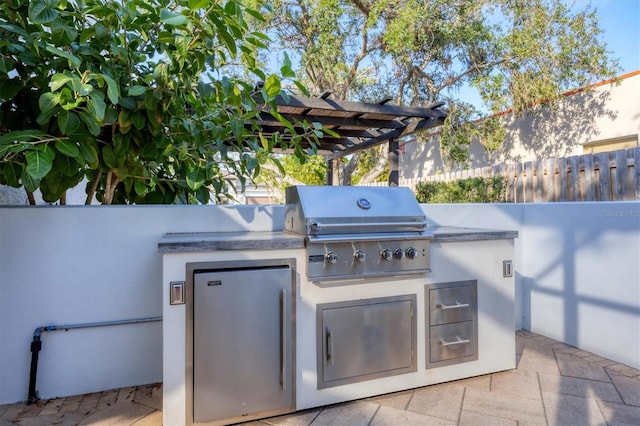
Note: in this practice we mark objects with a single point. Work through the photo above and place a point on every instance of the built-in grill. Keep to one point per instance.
(340, 306)
(358, 232)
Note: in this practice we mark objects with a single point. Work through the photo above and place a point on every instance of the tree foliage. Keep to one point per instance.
(516, 53)
(473, 190)
(133, 96)
(311, 170)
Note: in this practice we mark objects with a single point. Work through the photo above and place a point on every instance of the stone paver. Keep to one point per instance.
(438, 401)
(388, 416)
(399, 400)
(579, 387)
(539, 359)
(469, 418)
(617, 414)
(481, 382)
(353, 413)
(118, 414)
(567, 410)
(151, 396)
(301, 418)
(622, 370)
(554, 384)
(516, 382)
(575, 366)
(153, 419)
(629, 389)
(504, 406)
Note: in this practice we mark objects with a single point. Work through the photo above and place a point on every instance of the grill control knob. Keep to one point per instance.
(398, 253)
(386, 254)
(359, 255)
(331, 257)
(411, 253)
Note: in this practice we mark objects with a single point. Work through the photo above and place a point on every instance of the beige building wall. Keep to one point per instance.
(605, 117)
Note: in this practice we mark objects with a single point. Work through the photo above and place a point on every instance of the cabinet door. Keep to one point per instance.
(242, 354)
(365, 339)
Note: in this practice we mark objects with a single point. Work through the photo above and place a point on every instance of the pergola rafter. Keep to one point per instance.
(357, 125)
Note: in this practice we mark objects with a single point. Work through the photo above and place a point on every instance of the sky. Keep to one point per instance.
(620, 21)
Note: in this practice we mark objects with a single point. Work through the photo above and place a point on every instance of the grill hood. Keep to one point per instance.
(330, 210)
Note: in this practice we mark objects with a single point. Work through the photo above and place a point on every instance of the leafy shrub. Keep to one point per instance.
(472, 190)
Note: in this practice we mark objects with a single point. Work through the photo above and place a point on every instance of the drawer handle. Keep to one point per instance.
(458, 305)
(458, 341)
(329, 346)
(283, 338)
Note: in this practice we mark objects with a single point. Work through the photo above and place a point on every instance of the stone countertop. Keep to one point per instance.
(213, 241)
(443, 234)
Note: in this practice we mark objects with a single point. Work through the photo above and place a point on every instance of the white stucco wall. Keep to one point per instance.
(607, 111)
(71, 265)
(577, 269)
(577, 280)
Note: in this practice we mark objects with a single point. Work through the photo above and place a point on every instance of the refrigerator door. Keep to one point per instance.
(243, 350)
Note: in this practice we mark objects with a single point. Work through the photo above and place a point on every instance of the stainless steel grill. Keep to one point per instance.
(358, 232)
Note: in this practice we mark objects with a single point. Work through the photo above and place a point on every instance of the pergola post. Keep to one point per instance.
(394, 147)
(333, 167)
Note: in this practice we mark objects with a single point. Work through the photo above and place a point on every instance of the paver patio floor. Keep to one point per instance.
(554, 384)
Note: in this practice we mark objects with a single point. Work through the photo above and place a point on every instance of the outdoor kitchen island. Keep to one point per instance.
(277, 341)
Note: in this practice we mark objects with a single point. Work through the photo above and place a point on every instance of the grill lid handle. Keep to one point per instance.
(318, 226)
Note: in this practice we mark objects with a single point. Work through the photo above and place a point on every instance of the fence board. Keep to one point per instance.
(573, 179)
(538, 188)
(562, 183)
(604, 176)
(518, 188)
(620, 175)
(589, 178)
(550, 180)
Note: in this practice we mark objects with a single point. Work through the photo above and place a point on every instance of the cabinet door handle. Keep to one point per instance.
(458, 305)
(458, 341)
(329, 346)
(283, 337)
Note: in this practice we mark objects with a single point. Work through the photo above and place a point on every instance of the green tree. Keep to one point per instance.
(294, 170)
(516, 53)
(138, 97)
(473, 190)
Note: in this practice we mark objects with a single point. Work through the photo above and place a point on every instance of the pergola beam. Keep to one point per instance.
(355, 126)
(332, 121)
(430, 111)
(370, 143)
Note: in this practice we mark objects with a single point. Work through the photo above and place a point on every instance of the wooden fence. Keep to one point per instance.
(607, 176)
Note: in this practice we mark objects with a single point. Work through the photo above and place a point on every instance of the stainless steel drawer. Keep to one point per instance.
(453, 304)
(452, 341)
(451, 323)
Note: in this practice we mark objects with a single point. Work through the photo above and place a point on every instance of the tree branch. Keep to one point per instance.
(474, 69)
(94, 186)
(364, 51)
(286, 178)
(361, 7)
(348, 169)
(30, 197)
(378, 169)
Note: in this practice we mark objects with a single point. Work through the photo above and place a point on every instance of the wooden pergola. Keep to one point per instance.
(357, 126)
